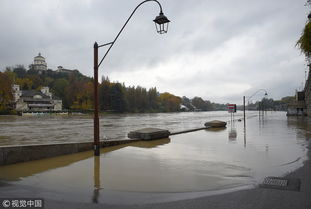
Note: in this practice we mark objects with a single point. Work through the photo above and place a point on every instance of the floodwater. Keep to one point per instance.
(206, 160)
(16, 130)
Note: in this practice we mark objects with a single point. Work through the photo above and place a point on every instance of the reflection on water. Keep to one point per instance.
(216, 129)
(232, 132)
(18, 171)
(96, 179)
(151, 144)
(196, 161)
(244, 134)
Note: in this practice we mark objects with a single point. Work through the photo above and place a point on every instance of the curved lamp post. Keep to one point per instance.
(161, 23)
(266, 94)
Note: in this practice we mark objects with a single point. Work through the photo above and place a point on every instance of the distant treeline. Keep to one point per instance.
(270, 104)
(76, 92)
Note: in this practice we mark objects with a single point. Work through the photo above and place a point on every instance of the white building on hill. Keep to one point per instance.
(39, 64)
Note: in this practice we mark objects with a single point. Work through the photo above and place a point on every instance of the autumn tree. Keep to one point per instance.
(83, 98)
(10, 75)
(76, 91)
(24, 83)
(169, 102)
(6, 95)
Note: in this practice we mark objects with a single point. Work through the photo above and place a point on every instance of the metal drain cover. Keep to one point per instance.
(275, 182)
(281, 183)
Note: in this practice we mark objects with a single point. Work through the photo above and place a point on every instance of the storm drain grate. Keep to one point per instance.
(275, 182)
(281, 183)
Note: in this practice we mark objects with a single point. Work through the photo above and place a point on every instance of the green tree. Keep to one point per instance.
(153, 99)
(20, 71)
(131, 99)
(288, 99)
(199, 103)
(59, 88)
(304, 42)
(104, 94)
(118, 102)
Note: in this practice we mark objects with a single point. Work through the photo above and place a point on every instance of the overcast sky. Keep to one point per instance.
(219, 50)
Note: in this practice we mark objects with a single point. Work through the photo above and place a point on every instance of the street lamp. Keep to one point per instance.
(161, 23)
(266, 94)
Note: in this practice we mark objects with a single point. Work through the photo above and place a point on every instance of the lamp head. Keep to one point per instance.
(161, 23)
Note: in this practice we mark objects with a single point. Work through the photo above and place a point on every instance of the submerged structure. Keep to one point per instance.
(298, 107)
(302, 104)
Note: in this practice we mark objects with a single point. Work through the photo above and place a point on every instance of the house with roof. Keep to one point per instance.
(34, 100)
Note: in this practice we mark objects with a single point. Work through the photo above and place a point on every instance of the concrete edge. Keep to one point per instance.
(24, 153)
(189, 130)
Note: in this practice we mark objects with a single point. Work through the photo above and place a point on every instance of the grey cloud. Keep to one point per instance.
(65, 31)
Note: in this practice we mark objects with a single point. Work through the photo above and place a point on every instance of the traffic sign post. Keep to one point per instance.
(232, 110)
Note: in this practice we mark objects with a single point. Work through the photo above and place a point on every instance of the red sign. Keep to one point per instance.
(231, 108)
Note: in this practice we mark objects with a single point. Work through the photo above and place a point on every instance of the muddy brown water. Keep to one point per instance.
(206, 160)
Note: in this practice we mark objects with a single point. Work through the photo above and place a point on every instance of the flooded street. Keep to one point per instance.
(206, 160)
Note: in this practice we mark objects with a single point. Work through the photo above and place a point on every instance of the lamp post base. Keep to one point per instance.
(96, 150)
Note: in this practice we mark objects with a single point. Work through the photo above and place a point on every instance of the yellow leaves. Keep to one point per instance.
(6, 95)
(169, 102)
(83, 97)
(24, 83)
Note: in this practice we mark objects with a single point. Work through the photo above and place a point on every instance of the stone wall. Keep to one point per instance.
(307, 91)
(16, 154)
(58, 104)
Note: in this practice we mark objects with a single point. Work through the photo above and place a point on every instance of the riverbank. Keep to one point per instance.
(178, 172)
(256, 198)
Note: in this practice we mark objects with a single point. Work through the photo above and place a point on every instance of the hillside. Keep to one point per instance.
(76, 92)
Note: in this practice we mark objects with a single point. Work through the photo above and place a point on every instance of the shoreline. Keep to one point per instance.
(244, 197)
